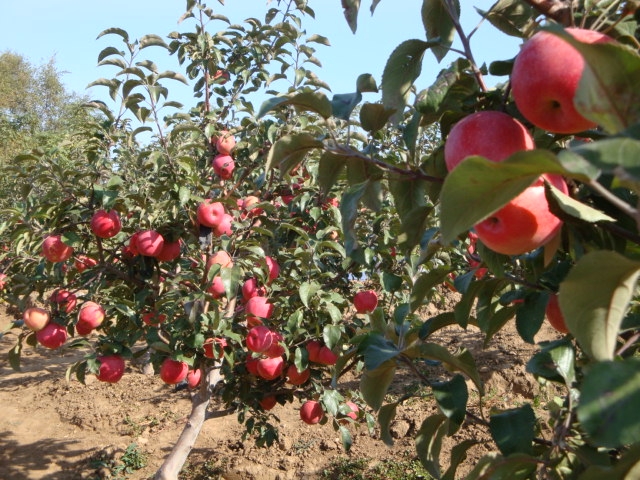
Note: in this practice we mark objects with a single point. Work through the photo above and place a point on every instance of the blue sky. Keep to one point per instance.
(67, 30)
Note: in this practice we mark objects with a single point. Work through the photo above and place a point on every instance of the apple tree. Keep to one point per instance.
(224, 242)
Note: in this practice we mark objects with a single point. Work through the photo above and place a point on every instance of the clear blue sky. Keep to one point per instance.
(67, 30)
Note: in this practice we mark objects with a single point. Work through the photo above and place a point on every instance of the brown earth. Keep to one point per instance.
(58, 430)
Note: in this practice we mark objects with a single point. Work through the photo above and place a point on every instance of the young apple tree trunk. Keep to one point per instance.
(199, 403)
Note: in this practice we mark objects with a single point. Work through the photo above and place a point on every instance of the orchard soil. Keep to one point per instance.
(58, 430)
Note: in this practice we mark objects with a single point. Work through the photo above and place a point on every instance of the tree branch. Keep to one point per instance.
(558, 10)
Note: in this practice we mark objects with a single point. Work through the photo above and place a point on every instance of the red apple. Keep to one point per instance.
(65, 299)
(224, 226)
(210, 213)
(83, 328)
(247, 204)
(491, 134)
(353, 414)
(149, 243)
(193, 378)
(55, 250)
(250, 289)
(3, 280)
(311, 412)
(313, 349)
(36, 318)
(326, 356)
(173, 371)
(252, 365)
(105, 224)
(210, 352)
(53, 335)
(525, 223)
(554, 315)
(170, 251)
(270, 368)
(365, 301)
(259, 339)
(223, 165)
(225, 143)
(268, 402)
(273, 267)
(276, 349)
(221, 258)
(82, 262)
(545, 78)
(296, 377)
(258, 308)
(111, 368)
(216, 289)
(153, 318)
(91, 314)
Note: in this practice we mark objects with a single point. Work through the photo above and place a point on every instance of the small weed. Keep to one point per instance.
(210, 470)
(389, 469)
(132, 459)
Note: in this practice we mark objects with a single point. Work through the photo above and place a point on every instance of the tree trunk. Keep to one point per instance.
(199, 403)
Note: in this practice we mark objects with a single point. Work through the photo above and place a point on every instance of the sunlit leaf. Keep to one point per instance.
(438, 24)
(429, 442)
(290, 150)
(375, 383)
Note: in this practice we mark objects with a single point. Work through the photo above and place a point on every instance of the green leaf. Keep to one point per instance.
(626, 468)
(555, 361)
(351, 8)
(306, 101)
(513, 17)
(439, 26)
(513, 430)
(530, 315)
(608, 90)
(425, 284)
(569, 206)
(478, 187)
(290, 150)
(343, 104)
(231, 278)
(617, 156)
(594, 298)
(152, 40)
(106, 52)
(373, 116)
(452, 397)
(329, 168)
(385, 417)
(458, 456)
(308, 290)
(173, 76)
(429, 442)
(318, 39)
(347, 440)
(114, 31)
(609, 399)
(375, 383)
(402, 69)
(366, 83)
(331, 335)
(349, 212)
(377, 350)
(14, 356)
(517, 466)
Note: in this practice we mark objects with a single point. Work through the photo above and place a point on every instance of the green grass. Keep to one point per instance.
(389, 469)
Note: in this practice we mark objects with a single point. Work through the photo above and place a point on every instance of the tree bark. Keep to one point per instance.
(199, 402)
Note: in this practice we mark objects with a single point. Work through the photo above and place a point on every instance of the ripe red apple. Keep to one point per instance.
(82, 262)
(83, 328)
(554, 315)
(224, 226)
(313, 349)
(36, 318)
(106, 224)
(91, 314)
(491, 134)
(65, 299)
(223, 165)
(55, 250)
(273, 267)
(326, 356)
(193, 378)
(256, 309)
(216, 289)
(221, 77)
(353, 414)
(170, 251)
(210, 213)
(153, 318)
(365, 301)
(225, 143)
(111, 368)
(3, 280)
(525, 223)
(219, 343)
(296, 377)
(173, 371)
(247, 204)
(545, 78)
(270, 368)
(259, 339)
(149, 243)
(250, 289)
(221, 258)
(252, 365)
(52, 335)
(268, 402)
(276, 349)
(311, 412)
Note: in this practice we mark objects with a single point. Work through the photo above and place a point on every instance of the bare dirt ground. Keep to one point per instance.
(58, 430)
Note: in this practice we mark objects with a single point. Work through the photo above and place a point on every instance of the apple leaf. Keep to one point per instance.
(375, 383)
(608, 409)
(477, 187)
(513, 430)
(366, 83)
(626, 467)
(574, 208)
(307, 101)
(374, 116)
(429, 442)
(329, 168)
(402, 69)
(458, 456)
(351, 8)
(594, 297)
(425, 284)
(517, 466)
(555, 361)
(513, 17)
(376, 350)
(452, 397)
(290, 150)
(439, 26)
(608, 90)
(343, 104)
(530, 315)
(385, 416)
(613, 155)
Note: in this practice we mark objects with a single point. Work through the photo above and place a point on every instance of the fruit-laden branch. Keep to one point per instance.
(558, 10)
